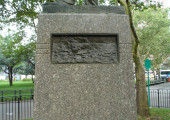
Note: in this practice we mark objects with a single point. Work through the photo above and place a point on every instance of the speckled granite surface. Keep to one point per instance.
(84, 91)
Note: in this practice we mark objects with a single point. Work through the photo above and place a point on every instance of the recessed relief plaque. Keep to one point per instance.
(84, 49)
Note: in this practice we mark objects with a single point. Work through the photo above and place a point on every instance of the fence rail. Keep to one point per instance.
(16, 93)
(16, 104)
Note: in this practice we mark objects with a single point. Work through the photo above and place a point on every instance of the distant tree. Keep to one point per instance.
(13, 52)
(26, 69)
(27, 55)
(9, 56)
(152, 26)
(166, 64)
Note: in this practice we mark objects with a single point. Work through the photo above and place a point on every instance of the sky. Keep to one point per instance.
(167, 3)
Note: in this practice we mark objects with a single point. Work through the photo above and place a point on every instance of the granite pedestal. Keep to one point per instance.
(74, 89)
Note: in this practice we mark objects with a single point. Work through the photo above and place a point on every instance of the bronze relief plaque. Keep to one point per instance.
(84, 49)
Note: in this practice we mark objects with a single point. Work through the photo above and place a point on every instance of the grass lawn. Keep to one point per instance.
(17, 85)
(4, 85)
(158, 114)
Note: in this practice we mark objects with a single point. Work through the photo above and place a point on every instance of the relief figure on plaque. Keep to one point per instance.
(71, 2)
(84, 49)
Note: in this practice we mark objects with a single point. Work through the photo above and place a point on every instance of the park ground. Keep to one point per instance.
(156, 114)
(24, 86)
(17, 85)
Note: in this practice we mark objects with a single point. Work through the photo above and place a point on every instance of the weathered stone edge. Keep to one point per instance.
(82, 9)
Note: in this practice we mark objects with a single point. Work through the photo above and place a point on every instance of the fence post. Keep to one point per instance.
(19, 98)
(158, 98)
(2, 100)
(15, 92)
(32, 94)
(2, 96)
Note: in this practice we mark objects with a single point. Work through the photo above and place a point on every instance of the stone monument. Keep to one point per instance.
(84, 66)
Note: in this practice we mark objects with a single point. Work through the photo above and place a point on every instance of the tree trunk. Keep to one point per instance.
(32, 79)
(141, 94)
(158, 72)
(155, 78)
(10, 75)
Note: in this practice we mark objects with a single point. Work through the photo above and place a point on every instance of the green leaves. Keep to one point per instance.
(13, 51)
(153, 30)
(22, 12)
(13, 54)
(79, 2)
(9, 47)
(113, 2)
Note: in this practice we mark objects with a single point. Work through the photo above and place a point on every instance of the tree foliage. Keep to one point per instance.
(153, 30)
(13, 52)
(9, 56)
(28, 57)
(22, 12)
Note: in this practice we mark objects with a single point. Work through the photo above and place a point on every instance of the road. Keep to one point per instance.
(165, 86)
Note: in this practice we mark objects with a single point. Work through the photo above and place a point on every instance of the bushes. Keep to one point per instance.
(27, 79)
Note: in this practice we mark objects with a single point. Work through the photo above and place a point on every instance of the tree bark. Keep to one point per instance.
(154, 74)
(10, 75)
(158, 72)
(32, 79)
(141, 94)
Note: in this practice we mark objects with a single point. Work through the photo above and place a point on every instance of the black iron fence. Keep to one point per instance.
(16, 104)
(160, 98)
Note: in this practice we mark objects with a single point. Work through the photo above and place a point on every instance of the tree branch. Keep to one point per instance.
(5, 71)
(34, 26)
(29, 61)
